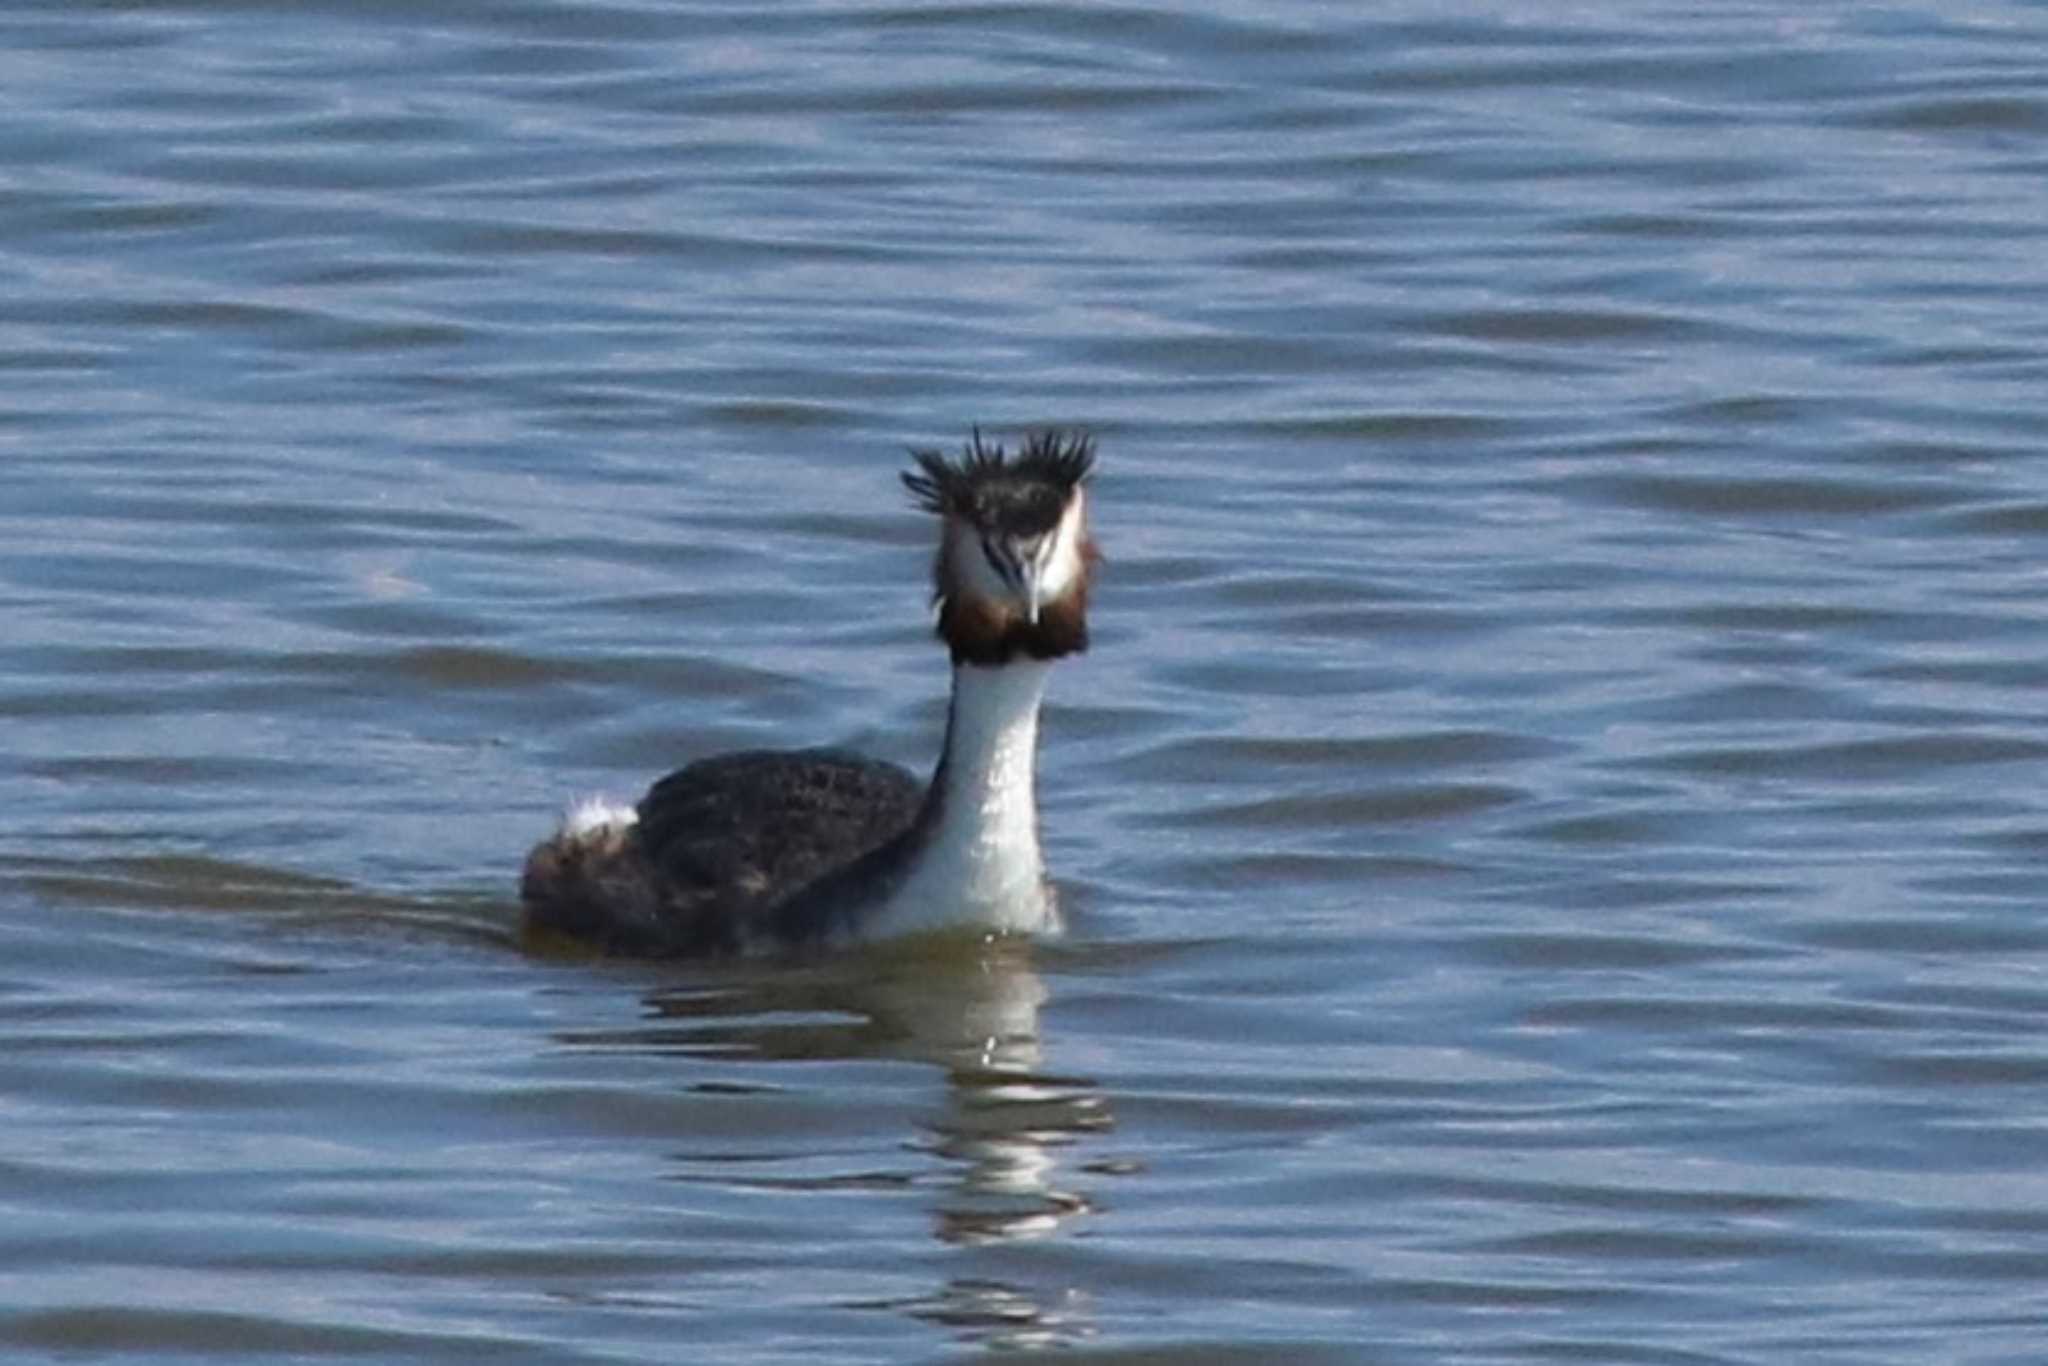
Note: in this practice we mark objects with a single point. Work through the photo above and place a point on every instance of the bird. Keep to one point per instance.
(785, 850)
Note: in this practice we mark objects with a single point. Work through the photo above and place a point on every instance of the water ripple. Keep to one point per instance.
(1548, 820)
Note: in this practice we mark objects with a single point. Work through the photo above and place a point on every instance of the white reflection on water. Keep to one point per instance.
(970, 1011)
(1002, 1129)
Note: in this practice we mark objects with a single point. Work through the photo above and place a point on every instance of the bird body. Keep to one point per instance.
(766, 849)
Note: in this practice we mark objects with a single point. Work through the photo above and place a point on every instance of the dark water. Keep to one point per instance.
(1555, 822)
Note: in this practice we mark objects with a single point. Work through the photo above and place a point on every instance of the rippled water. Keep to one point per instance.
(1554, 822)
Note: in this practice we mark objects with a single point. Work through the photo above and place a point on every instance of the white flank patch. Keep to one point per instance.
(589, 816)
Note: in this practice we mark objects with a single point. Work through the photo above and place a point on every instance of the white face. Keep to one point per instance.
(1024, 574)
(1060, 561)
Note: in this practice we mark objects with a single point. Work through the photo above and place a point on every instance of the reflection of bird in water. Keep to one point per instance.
(1001, 1128)
(793, 847)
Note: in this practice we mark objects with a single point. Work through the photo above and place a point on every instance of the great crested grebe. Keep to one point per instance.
(768, 848)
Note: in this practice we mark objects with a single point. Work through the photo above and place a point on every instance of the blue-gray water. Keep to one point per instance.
(1555, 821)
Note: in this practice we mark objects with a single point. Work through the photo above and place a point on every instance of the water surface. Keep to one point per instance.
(1553, 822)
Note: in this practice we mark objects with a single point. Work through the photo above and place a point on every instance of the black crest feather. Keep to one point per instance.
(987, 483)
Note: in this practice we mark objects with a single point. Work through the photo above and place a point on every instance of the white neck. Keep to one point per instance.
(979, 864)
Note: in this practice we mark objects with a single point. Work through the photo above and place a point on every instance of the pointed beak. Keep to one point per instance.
(1034, 577)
